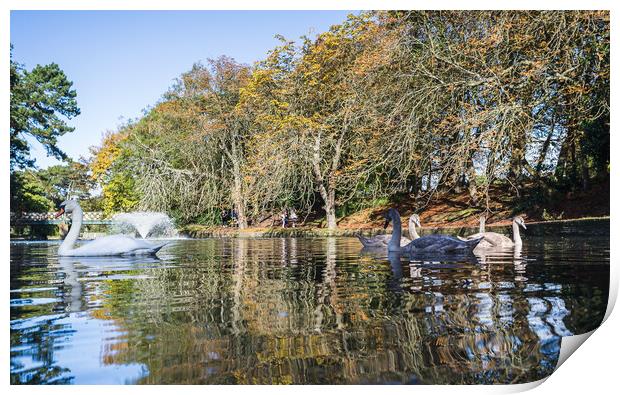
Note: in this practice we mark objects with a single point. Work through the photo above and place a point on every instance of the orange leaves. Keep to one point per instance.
(105, 155)
(372, 102)
(577, 90)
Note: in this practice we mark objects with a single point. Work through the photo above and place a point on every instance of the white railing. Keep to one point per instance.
(88, 216)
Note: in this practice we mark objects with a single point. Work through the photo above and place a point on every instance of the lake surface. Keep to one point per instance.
(305, 311)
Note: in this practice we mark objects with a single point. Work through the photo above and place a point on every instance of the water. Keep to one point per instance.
(304, 311)
(145, 223)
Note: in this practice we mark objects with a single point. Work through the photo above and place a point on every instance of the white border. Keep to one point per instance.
(592, 369)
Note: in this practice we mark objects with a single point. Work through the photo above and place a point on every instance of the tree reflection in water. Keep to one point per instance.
(311, 311)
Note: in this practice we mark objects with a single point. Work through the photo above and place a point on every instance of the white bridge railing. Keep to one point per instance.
(92, 216)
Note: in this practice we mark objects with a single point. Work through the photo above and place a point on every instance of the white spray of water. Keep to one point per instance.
(146, 223)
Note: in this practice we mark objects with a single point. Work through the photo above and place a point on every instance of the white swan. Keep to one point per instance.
(494, 240)
(103, 246)
(439, 244)
(381, 241)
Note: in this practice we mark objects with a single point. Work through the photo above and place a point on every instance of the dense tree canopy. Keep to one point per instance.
(40, 190)
(383, 104)
(40, 99)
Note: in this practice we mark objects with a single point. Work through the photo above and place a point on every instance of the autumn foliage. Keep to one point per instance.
(383, 104)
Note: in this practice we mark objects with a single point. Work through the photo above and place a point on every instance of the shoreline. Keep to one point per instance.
(202, 232)
(205, 232)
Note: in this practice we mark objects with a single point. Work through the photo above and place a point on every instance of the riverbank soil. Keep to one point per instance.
(443, 210)
(454, 210)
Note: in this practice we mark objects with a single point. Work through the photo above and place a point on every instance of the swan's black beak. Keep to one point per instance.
(60, 212)
(387, 222)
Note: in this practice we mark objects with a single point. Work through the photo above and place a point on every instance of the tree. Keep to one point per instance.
(303, 105)
(108, 170)
(276, 173)
(28, 193)
(73, 179)
(186, 155)
(43, 189)
(38, 100)
(491, 95)
(384, 105)
(222, 82)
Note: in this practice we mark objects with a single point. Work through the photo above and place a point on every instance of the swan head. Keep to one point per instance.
(519, 221)
(389, 216)
(67, 207)
(415, 219)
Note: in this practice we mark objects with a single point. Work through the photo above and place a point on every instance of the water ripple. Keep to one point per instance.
(302, 311)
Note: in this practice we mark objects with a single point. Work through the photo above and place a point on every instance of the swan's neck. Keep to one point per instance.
(481, 228)
(412, 232)
(516, 236)
(396, 234)
(74, 232)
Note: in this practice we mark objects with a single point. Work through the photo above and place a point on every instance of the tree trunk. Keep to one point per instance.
(327, 194)
(329, 198)
(429, 176)
(330, 208)
(585, 174)
(560, 169)
(516, 160)
(413, 184)
(471, 187)
(543, 151)
(237, 193)
(457, 184)
(239, 204)
(573, 156)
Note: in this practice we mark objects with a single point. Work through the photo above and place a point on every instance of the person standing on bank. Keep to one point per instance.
(284, 216)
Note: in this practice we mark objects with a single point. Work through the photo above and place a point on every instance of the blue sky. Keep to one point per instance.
(121, 62)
